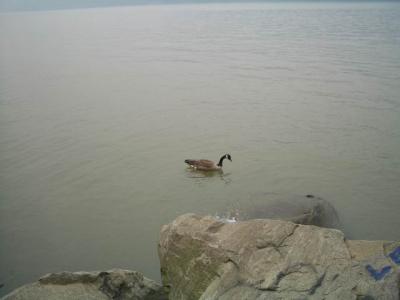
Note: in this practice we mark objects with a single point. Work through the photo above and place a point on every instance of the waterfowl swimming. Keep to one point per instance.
(207, 165)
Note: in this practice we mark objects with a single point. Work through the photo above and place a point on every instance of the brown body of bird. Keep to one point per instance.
(207, 165)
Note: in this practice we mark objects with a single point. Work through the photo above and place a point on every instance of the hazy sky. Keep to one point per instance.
(11, 5)
(6, 5)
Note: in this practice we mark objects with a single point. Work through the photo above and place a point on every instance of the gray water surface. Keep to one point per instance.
(99, 108)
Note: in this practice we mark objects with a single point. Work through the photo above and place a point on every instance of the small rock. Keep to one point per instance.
(113, 284)
(306, 210)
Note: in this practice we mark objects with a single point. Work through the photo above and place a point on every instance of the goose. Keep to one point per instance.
(207, 165)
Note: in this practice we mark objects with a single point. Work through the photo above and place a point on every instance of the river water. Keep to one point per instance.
(99, 108)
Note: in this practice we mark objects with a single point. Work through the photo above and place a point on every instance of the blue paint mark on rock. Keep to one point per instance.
(378, 275)
(395, 255)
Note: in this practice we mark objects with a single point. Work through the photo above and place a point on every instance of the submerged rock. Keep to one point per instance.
(306, 210)
(204, 258)
(113, 284)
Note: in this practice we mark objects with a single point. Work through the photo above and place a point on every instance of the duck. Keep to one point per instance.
(207, 165)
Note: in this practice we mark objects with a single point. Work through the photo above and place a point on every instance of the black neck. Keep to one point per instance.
(221, 160)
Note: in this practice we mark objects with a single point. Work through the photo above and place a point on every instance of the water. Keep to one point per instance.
(99, 108)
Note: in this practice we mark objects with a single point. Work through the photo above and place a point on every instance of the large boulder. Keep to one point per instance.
(205, 258)
(113, 284)
(306, 210)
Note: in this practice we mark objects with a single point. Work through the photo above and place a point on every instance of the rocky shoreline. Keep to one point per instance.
(203, 257)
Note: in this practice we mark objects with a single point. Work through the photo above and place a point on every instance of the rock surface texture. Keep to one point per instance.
(113, 284)
(205, 258)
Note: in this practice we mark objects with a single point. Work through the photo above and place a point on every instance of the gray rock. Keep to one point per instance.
(205, 258)
(306, 210)
(113, 284)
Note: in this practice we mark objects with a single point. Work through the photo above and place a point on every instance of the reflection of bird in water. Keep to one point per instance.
(202, 176)
(207, 165)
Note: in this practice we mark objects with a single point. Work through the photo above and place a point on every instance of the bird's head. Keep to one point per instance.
(228, 156)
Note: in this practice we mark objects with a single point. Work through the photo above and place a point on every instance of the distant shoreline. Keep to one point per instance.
(20, 6)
